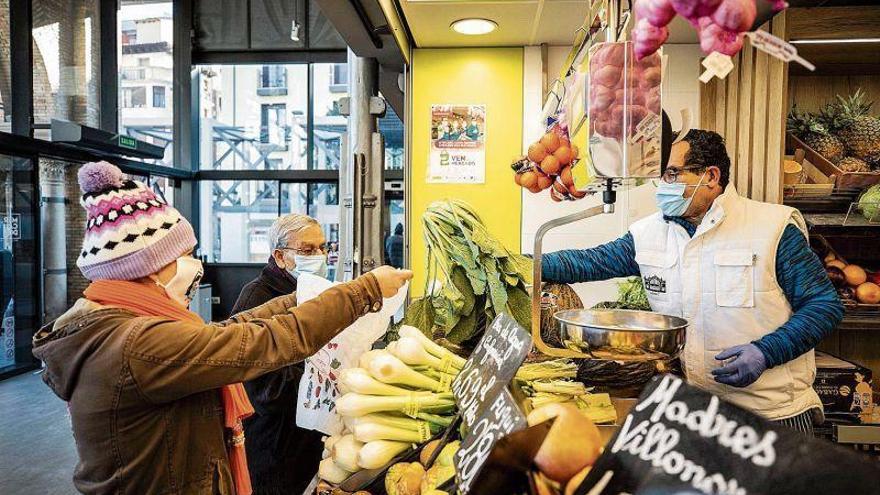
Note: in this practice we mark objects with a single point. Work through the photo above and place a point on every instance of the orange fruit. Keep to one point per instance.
(566, 177)
(544, 182)
(550, 141)
(563, 154)
(575, 152)
(518, 179)
(550, 165)
(528, 179)
(537, 152)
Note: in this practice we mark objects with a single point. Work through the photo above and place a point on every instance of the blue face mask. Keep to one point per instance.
(671, 200)
(314, 265)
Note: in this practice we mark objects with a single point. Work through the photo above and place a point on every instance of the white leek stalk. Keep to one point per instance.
(378, 453)
(357, 380)
(330, 441)
(433, 422)
(364, 360)
(329, 471)
(411, 351)
(559, 387)
(345, 453)
(352, 404)
(368, 432)
(388, 369)
(432, 347)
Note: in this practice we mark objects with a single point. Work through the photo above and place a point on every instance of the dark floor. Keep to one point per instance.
(37, 453)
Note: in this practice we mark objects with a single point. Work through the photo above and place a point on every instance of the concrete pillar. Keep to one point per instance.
(52, 231)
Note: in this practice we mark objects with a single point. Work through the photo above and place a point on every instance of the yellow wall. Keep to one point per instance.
(488, 76)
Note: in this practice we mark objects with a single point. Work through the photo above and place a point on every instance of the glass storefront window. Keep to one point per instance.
(392, 130)
(67, 65)
(330, 83)
(235, 217)
(164, 188)
(146, 65)
(19, 298)
(253, 117)
(5, 70)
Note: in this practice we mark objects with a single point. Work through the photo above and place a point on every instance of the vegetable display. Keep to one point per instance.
(854, 284)
(869, 203)
(471, 278)
(721, 24)
(397, 397)
(630, 295)
(552, 382)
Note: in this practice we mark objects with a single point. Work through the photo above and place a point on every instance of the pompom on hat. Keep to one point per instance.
(130, 232)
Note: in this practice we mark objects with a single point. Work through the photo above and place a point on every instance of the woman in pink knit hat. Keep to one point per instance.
(154, 392)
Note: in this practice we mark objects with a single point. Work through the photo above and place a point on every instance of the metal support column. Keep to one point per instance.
(52, 231)
(362, 173)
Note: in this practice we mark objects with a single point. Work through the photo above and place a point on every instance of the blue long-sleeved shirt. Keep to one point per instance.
(816, 307)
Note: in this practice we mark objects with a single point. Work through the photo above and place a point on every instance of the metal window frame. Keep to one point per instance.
(108, 11)
(21, 66)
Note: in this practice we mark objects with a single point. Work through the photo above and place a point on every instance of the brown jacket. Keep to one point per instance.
(143, 391)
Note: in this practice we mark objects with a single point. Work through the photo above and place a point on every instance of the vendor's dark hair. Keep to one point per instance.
(707, 150)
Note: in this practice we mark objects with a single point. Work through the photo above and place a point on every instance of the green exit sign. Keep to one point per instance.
(128, 142)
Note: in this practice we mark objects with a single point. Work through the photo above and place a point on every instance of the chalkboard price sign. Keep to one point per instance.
(502, 417)
(491, 367)
(680, 439)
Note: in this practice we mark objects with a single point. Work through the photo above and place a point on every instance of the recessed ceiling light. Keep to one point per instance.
(474, 27)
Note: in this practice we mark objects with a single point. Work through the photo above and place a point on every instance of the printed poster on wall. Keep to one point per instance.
(458, 144)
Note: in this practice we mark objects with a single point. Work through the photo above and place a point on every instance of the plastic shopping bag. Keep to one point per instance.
(318, 388)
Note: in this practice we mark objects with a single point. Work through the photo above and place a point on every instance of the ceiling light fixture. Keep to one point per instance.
(474, 27)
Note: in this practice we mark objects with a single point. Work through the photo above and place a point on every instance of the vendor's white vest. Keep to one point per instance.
(723, 281)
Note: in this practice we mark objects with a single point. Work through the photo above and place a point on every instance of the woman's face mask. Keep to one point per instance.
(182, 287)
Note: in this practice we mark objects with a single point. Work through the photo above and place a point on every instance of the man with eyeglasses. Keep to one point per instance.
(741, 272)
(282, 458)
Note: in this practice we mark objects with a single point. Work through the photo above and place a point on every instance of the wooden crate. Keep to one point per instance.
(858, 180)
(814, 183)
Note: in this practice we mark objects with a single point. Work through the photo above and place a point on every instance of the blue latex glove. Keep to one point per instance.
(748, 364)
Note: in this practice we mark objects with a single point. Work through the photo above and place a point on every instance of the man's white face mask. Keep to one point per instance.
(182, 287)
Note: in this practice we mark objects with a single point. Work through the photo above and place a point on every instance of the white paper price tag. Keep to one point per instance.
(717, 65)
(777, 47)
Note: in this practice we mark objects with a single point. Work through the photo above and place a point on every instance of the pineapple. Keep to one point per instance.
(853, 164)
(811, 131)
(859, 131)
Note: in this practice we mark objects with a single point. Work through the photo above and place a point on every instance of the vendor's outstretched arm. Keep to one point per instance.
(817, 309)
(611, 260)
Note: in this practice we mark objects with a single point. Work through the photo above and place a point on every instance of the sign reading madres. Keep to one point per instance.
(680, 439)
(458, 144)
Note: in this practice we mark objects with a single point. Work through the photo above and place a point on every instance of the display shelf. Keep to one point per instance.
(856, 319)
(835, 220)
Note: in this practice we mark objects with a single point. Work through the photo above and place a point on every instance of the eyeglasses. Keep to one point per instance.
(306, 252)
(670, 175)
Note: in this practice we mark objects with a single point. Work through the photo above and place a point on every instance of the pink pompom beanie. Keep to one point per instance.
(130, 232)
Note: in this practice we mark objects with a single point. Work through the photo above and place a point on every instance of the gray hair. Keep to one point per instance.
(283, 227)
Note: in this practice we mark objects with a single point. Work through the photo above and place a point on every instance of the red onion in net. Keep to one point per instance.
(714, 38)
(658, 12)
(735, 15)
(648, 38)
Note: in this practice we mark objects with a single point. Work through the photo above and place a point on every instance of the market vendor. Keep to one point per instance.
(282, 458)
(741, 272)
(153, 391)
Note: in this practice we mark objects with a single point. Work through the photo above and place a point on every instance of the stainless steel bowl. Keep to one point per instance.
(622, 335)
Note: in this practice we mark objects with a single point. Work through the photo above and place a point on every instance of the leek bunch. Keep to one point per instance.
(396, 397)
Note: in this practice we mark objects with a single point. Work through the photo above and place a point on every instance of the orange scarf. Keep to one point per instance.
(148, 299)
